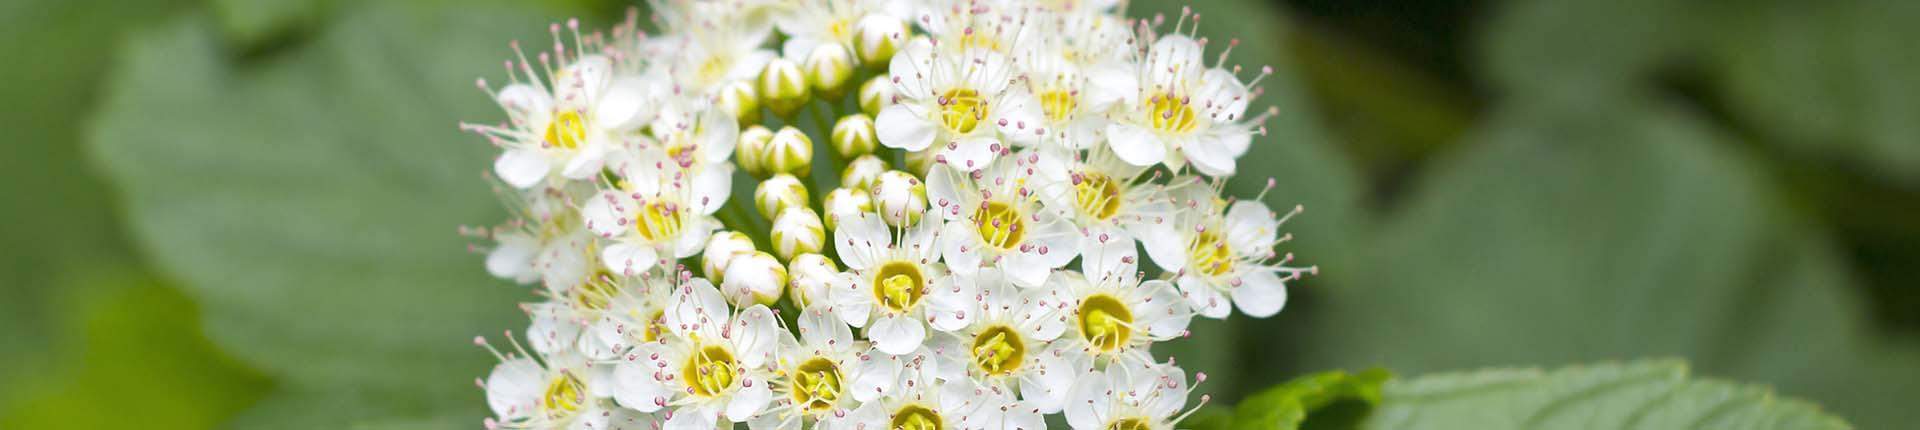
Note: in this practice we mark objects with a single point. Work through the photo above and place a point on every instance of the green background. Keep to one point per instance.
(242, 214)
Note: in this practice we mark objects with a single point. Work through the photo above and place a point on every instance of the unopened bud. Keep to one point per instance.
(900, 197)
(812, 275)
(797, 231)
(862, 171)
(751, 150)
(853, 136)
(754, 276)
(846, 202)
(783, 87)
(721, 247)
(919, 161)
(876, 94)
(828, 68)
(778, 193)
(877, 37)
(789, 152)
(740, 99)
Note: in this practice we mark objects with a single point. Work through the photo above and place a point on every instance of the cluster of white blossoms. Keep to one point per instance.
(974, 264)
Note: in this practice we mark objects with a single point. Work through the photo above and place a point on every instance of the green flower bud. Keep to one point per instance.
(721, 247)
(789, 152)
(778, 193)
(812, 275)
(754, 277)
(797, 231)
(853, 135)
(877, 37)
(862, 171)
(828, 68)
(919, 162)
(846, 202)
(783, 87)
(751, 150)
(740, 99)
(900, 197)
(876, 94)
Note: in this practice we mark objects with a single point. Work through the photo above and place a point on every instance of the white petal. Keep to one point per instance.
(521, 168)
(970, 153)
(1018, 116)
(635, 387)
(1260, 294)
(1205, 299)
(749, 400)
(526, 99)
(874, 377)
(1174, 57)
(1025, 269)
(691, 418)
(756, 333)
(947, 304)
(628, 259)
(1088, 404)
(1165, 313)
(719, 131)
(693, 236)
(512, 258)
(852, 301)
(1165, 245)
(1209, 154)
(697, 303)
(602, 216)
(898, 127)
(1136, 145)
(587, 162)
(897, 334)
(860, 240)
(712, 186)
(1108, 252)
(1251, 227)
(624, 106)
(820, 329)
(946, 188)
(1226, 96)
(1047, 388)
(908, 68)
(960, 246)
(514, 387)
(1111, 83)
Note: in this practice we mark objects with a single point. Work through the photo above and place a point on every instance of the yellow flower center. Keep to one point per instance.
(998, 350)
(596, 293)
(816, 384)
(713, 70)
(658, 221)
(1129, 424)
(1097, 195)
(563, 395)
(916, 417)
(566, 130)
(962, 109)
(1171, 114)
(1105, 322)
(898, 285)
(1000, 225)
(709, 370)
(1057, 104)
(654, 326)
(841, 29)
(1209, 254)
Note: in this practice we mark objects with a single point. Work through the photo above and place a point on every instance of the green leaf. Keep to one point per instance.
(308, 200)
(1573, 51)
(1831, 78)
(1647, 394)
(1565, 236)
(133, 346)
(1288, 406)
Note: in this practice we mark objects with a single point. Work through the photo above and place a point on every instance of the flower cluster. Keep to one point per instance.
(974, 264)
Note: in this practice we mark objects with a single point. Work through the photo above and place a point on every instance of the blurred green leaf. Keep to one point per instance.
(136, 359)
(1646, 394)
(1834, 78)
(1287, 406)
(308, 201)
(1564, 236)
(1574, 51)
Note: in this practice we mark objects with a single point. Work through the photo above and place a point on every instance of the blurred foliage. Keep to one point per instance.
(1647, 394)
(1505, 183)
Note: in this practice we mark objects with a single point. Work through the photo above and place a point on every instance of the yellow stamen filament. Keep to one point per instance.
(816, 384)
(567, 130)
(710, 370)
(563, 395)
(1209, 254)
(898, 285)
(998, 350)
(961, 110)
(1000, 225)
(1097, 195)
(1171, 114)
(916, 417)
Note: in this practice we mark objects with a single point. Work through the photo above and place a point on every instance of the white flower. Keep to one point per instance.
(555, 393)
(823, 374)
(567, 126)
(546, 242)
(811, 276)
(1229, 254)
(995, 219)
(754, 277)
(894, 284)
(1111, 202)
(1179, 111)
(1114, 318)
(1001, 341)
(719, 43)
(957, 100)
(809, 24)
(958, 405)
(646, 223)
(1142, 396)
(712, 364)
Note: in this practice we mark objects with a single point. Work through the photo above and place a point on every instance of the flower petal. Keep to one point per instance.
(899, 127)
(1135, 145)
(897, 334)
(970, 153)
(1206, 300)
(627, 258)
(521, 168)
(749, 400)
(1261, 294)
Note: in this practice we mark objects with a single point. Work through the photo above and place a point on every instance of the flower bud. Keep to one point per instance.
(740, 99)
(853, 136)
(721, 247)
(789, 152)
(778, 193)
(918, 162)
(862, 171)
(828, 68)
(877, 37)
(846, 202)
(812, 275)
(754, 277)
(783, 87)
(900, 197)
(875, 95)
(797, 231)
(751, 150)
